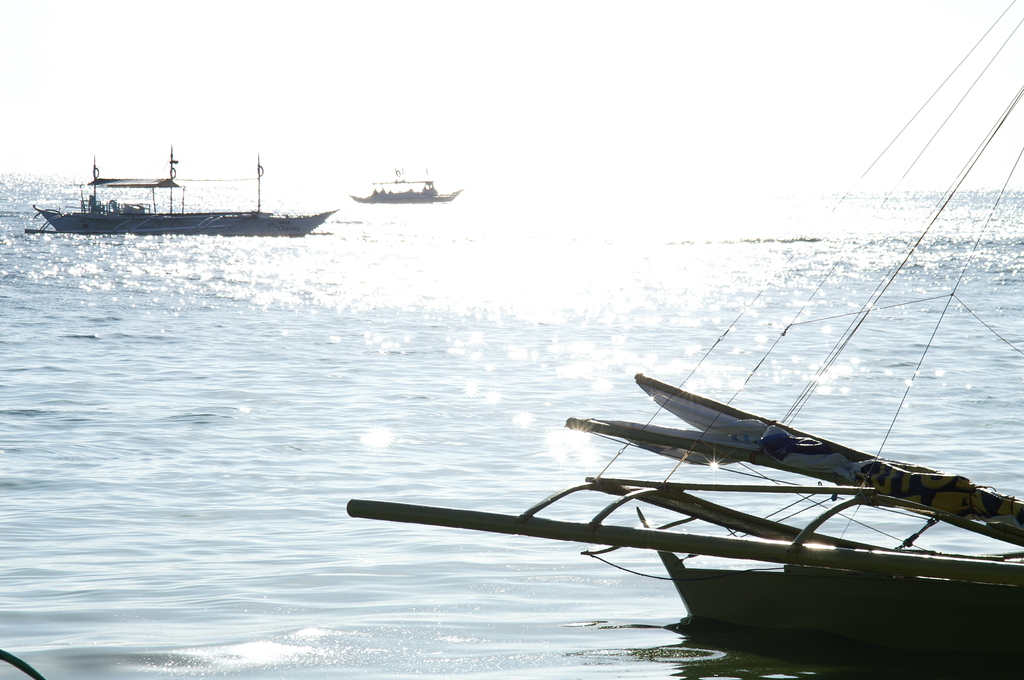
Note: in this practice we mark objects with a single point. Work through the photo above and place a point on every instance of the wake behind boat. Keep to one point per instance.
(96, 217)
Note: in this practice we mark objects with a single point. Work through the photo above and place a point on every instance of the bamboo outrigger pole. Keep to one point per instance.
(879, 562)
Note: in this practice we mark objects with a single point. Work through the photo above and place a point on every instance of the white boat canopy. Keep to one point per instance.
(165, 183)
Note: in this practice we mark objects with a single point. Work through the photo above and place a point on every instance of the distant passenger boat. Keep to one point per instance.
(406, 191)
(111, 217)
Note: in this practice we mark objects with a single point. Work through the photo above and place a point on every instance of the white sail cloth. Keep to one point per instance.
(706, 418)
(745, 433)
(710, 438)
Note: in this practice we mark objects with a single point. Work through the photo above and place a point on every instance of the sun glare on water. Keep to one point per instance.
(377, 438)
(522, 420)
(253, 654)
(567, 446)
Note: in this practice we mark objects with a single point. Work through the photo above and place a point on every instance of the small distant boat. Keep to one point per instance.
(406, 191)
(96, 217)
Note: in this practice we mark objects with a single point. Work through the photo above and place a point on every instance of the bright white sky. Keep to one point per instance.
(675, 101)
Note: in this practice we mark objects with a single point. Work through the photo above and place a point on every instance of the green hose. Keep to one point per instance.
(20, 665)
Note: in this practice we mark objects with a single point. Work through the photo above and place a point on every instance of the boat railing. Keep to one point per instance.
(113, 207)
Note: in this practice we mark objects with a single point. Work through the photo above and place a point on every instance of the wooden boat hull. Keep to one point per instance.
(208, 224)
(897, 612)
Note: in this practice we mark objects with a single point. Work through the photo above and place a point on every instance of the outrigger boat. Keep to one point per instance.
(899, 596)
(853, 589)
(96, 217)
(895, 595)
(406, 191)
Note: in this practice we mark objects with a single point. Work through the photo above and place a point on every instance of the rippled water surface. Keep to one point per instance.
(183, 419)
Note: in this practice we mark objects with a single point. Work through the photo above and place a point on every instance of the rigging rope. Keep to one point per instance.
(239, 179)
(890, 277)
(694, 370)
(927, 101)
(723, 574)
(939, 129)
(860, 316)
(952, 295)
(983, 323)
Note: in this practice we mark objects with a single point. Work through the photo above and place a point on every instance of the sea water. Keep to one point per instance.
(183, 420)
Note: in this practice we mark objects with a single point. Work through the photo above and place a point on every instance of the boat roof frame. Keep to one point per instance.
(165, 183)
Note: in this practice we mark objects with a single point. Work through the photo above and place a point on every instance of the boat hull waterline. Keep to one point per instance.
(906, 613)
(207, 224)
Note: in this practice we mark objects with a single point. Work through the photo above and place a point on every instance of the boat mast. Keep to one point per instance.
(95, 176)
(259, 184)
(174, 173)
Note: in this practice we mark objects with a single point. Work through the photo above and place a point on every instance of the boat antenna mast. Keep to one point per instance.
(259, 184)
(95, 176)
(173, 174)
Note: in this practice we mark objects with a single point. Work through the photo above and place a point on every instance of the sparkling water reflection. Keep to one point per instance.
(184, 419)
